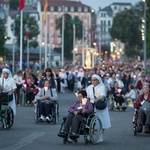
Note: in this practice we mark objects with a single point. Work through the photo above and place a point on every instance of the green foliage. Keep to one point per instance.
(29, 25)
(148, 29)
(127, 27)
(14, 4)
(68, 32)
(2, 36)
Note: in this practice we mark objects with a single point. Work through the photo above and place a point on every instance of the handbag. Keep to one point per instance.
(19, 86)
(4, 97)
(102, 104)
(145, 106)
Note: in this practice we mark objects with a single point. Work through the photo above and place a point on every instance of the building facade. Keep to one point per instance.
(56, 8)
(105, 20)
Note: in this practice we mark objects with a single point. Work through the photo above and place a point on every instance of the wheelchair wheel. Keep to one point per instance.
(64, 141)
(86, 141)
(36, 118)
(95, 129)
(8, 118)
(56, 114)
(135, 122)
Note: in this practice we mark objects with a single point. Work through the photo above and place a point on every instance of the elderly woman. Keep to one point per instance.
(79, 110)
(99, 89)
(9, 86)
(143, 106)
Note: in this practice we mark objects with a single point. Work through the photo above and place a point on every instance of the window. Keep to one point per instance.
(79, 9)
(51, 8)
(59, 8)
(85, 9)
(66, 8)
(51, 15)
(71, 8)
(104, 22)
(109, 23)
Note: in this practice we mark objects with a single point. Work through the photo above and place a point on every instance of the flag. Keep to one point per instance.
(45, 10)
(21, 5)
(27, 35)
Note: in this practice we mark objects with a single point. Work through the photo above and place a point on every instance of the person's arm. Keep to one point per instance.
(137, 103)
(88, 108)
(72, 108)
(39, 95)
(54, 93)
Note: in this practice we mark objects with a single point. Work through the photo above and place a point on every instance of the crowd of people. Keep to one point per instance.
(123, 82)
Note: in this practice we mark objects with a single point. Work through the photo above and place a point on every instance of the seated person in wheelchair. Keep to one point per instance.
(142, 104)
(79, 110)
(45, 96)
(118, 96)
(132, 95)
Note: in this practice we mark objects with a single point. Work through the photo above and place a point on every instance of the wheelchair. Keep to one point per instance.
(90, 128)
(110, 102)
(136, 122)
(6, 114)
(54, 111)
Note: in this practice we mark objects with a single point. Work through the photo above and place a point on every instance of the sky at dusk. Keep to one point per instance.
(95, 4)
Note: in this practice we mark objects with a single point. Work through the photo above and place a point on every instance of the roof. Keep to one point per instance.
(27, 10)
(121, 4)
(109, 11)
(4, 1)
(63, 3)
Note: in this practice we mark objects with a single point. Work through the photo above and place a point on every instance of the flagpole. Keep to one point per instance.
(83, 44)
(13, 69)
(21, 25)
(74, 37)
(46, 42)
(13, 58)
(62, 48)
(50, 49)
(28, 52)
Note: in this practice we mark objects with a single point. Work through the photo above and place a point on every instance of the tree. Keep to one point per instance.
(68, 32)
(148, 29)
(127, 27)
(14, 4)
(2, 36)
(31, 27)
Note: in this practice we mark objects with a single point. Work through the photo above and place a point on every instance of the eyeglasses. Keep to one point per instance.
(80, 96)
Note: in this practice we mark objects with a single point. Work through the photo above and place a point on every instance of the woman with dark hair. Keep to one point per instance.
(79, 110)
(48, 75)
